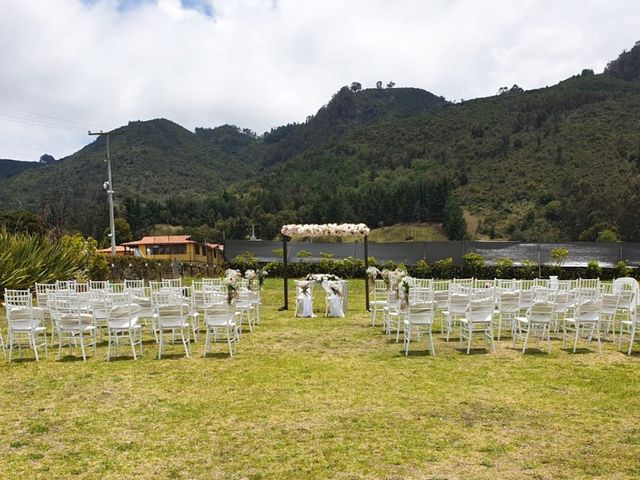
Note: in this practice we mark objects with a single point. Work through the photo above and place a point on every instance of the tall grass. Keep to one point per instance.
(27, 259)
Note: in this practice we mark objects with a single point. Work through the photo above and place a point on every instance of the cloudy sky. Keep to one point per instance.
(70, 65)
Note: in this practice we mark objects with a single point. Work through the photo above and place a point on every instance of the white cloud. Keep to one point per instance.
(262, 63)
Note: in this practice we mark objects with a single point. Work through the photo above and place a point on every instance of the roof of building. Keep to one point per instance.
(162, 240)
(219, 246)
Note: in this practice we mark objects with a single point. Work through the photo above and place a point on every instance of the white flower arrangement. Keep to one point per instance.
(393, 277)
(326, 230)
(373, 272)
(321, 277)
(231, 282)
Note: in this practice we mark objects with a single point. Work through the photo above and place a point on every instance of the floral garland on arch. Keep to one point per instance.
(326, 230)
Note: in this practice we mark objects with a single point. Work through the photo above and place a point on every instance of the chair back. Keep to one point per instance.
(610, 302)
(540, 312)
(216, 314)
(41, 293)
(458, 303)
(422, 313)
(173, 314)
(420, 294)
(588, 311)
(123, 315)
(480, 310)
(172, 282)
(626, 299)
(18, 299)
(509, 302)
(128, 284)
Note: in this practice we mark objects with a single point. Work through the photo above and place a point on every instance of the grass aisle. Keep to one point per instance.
(323, 398)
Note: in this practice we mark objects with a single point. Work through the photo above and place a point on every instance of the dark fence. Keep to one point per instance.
(580, 253)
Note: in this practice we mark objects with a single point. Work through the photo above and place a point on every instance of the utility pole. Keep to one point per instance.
(108, 186)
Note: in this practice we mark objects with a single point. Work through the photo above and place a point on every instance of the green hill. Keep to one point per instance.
(10, 168)
(557, 163)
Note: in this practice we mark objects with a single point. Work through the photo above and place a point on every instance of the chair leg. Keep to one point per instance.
(206, 340)
(469, 340)
(184, 342)
(10, 337)
(575, 343)
(133, 346)
(84, 353)
(433, 350)
(526, 340)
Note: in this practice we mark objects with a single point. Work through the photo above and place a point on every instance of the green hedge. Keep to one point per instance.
(444, 269)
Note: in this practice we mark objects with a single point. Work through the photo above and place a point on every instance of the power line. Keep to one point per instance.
(31, 122)
(41, 118)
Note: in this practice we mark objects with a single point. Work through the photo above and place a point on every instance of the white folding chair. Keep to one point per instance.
(220, 323)
(123, 322)
(456, 309)
(508, 307)
(536, 323)
(478, 318)
(419, 320)
(585, 323)
(23, 323)
(628, 330)
(74, 323)
(173, 317)
(379, 300)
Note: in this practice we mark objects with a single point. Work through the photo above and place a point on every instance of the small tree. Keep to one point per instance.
(379, 85)
(391, 84)
(559, 256)
(356, 87)
(607, 235)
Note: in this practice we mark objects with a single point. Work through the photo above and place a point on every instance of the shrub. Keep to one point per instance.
(26, 259)
(473, 264)
(594, 270)
(529, 270)
(504, 268)
(444, 268)
(245, 261)
(621, 269)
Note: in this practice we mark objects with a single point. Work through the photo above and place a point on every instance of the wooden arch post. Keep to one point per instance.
(285, 272)
(366, 266)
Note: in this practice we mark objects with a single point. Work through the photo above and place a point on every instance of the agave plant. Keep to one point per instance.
(27, 259)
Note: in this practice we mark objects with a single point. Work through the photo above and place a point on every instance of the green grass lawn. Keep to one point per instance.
(415, 232)
(323, 399)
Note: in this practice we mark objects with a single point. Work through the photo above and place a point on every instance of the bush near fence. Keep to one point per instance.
(443, 269)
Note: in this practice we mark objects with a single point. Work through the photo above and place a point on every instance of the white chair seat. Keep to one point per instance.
(124, 324)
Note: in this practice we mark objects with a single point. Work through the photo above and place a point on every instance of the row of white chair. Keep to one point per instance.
(461, 304)
(78, 315)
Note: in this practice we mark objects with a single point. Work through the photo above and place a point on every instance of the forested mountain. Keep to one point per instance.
(9, 168)
(557, 163)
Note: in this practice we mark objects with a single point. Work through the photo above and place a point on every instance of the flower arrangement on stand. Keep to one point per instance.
(372, 274)
(232, 283)
(262, 274)
(251, 276)
(392, 278)
(405, 286)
